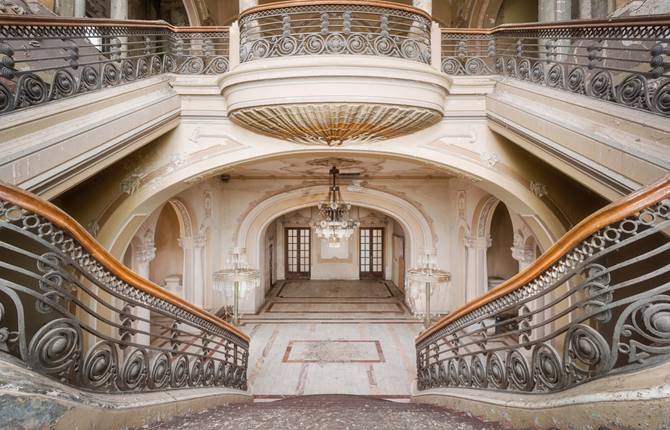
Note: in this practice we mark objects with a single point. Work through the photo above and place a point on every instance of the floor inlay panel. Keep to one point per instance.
(334, 351)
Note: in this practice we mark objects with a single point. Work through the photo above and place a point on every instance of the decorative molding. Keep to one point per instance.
(356, 186)
(485, 215)
(8, 7)
(373, 219)
(461, 204)
(131, 183)
(145, 253)
(335, 123)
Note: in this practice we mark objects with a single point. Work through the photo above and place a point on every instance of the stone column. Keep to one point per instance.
(476, 266)
(426, 5)
(119, 9)
(234, 46)
(198, 270)
(436, 46)
(546, 10)
(246, 4)
(601, 9)
(80, 8)
(193, 280)
(563, 10)
(64, 7)
(143, 257)
(585, 9)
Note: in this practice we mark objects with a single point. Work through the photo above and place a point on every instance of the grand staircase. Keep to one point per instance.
(328, 412)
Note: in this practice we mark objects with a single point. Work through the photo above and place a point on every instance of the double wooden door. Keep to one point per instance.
(298, 252)
(371, 260)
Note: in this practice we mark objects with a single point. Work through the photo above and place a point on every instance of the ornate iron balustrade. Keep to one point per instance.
(335, 28)
(45, 59)
(70, 311)
(596, 303)
(624, 61)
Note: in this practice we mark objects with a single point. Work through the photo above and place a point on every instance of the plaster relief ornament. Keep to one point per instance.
(334, 124)
(93, 227)
(356, 186)
(539, 189)
(8, 7)
(131, 183)
(490, 158)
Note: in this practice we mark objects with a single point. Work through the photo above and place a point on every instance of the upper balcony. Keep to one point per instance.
(333, 72)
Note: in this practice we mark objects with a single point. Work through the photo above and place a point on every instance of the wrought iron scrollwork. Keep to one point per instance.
(354, 29)
(66, 315)
(601, 308)
(587, 61)
(88, 58)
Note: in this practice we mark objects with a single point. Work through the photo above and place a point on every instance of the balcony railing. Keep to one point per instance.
(45, 59)
(335, 28)
(624, 60)
(597, 303)
(70, 311)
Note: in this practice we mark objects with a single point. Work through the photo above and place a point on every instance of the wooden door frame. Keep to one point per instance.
(372, 275)
(300, 275)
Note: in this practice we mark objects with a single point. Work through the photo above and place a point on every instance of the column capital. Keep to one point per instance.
(193, 242)
(145, 253)
(478, 242)
(523, 254)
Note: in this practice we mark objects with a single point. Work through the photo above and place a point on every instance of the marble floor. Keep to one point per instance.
(338, 337)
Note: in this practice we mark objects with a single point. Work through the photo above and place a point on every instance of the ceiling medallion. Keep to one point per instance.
(333, 124)
(335, 224)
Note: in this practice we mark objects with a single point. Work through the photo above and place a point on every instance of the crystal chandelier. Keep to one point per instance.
(335, 223)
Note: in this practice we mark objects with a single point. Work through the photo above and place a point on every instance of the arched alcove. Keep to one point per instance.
(500, 264)
(169, 260)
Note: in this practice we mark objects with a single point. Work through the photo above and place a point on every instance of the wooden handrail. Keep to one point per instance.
(611, 213)
(373, 3)
(60, 21)
(59, 218)
(581, 23)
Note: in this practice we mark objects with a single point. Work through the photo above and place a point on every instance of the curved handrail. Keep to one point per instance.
(60, 21)
(374, 3)
(61, 219)
(611, 213)
(580, 24)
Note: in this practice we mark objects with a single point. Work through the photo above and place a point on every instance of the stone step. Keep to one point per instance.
(326, 412)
